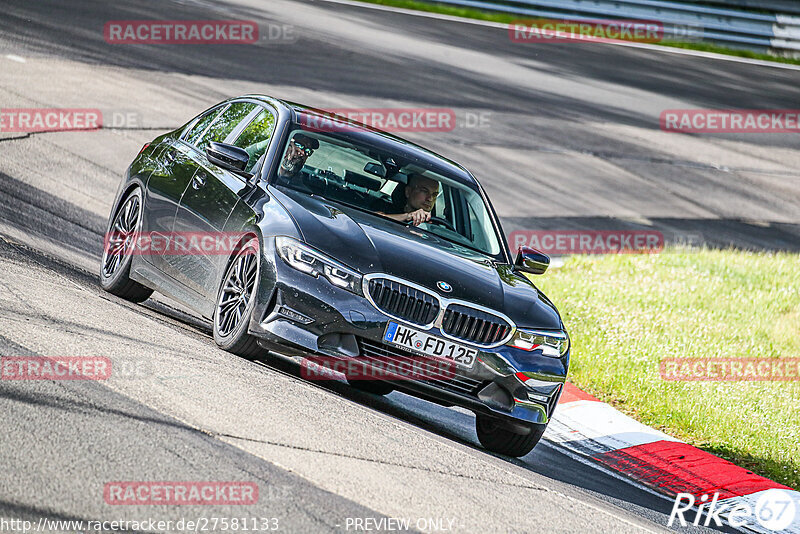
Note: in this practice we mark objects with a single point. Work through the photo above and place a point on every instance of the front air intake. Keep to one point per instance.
(403, 301)
(474, 326)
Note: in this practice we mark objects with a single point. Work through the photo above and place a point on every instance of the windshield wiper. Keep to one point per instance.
(343, 203)
(440, 236)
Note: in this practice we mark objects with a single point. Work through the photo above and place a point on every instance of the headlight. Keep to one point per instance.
(310, 261)
(553, 344)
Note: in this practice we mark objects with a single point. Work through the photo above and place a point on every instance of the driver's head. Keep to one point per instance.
(300, 148)
(421, 192)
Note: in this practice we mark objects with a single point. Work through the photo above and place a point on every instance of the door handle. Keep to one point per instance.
(170, 155)
(198, 181)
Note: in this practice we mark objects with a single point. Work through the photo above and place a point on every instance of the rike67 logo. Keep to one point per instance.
(774, 510)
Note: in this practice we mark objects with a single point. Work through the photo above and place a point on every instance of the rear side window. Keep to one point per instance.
(255, 138)
(224, 124)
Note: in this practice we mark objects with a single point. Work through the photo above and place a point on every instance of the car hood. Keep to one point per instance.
(373, 244)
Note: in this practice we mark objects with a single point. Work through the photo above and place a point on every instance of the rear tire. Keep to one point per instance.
(496, 437)
(118, 244)
(235, 301)
(376, 387)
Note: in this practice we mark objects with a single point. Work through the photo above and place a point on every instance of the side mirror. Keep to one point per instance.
(530, 260)
(229, 157)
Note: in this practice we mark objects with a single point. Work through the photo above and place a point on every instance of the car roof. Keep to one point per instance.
(357, 131)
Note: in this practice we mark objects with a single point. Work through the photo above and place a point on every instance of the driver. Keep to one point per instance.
(300, 148)
(421, 193)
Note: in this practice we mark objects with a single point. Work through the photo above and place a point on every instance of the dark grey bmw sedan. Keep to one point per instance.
(303, 233)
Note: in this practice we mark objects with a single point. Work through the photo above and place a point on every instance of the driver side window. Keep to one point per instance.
(255, 138)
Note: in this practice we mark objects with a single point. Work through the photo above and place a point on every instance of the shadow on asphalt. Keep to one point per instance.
(458, 425)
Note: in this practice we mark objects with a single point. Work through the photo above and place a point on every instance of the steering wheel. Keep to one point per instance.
(442, 222)
(315, 182)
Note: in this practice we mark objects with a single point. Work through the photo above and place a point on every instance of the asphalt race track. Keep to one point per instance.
(563, 136)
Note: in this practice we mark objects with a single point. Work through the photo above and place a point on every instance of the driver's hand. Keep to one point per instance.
(417, 217)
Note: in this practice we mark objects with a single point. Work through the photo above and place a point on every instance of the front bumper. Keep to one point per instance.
(300, 315)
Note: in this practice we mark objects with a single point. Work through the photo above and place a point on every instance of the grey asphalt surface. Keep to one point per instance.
(572, 141)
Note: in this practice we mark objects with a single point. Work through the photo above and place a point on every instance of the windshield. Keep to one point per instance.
(382, 183)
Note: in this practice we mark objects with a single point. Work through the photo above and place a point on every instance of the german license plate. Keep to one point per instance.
(421, 342)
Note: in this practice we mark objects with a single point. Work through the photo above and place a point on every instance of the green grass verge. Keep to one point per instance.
(625, 312)
(506, 18)
(447, 9)
(709, 47)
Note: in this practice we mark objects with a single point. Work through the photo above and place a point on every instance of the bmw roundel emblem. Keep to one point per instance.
(444, 286)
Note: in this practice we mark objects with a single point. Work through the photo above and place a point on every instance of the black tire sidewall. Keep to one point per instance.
(497, 438)
(121, 276)
(239, 334)
(376, 387)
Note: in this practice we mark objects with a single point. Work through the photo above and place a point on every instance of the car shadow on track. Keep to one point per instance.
(458, 425)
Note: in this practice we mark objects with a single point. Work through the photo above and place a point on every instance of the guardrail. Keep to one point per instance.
(789, 7)
(777, 33)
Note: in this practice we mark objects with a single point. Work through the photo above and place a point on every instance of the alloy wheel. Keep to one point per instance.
(121, 238)
(237, 290)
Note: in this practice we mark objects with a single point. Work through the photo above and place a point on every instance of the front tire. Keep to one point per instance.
(235, 301)
(496, 437)
(118, 249)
